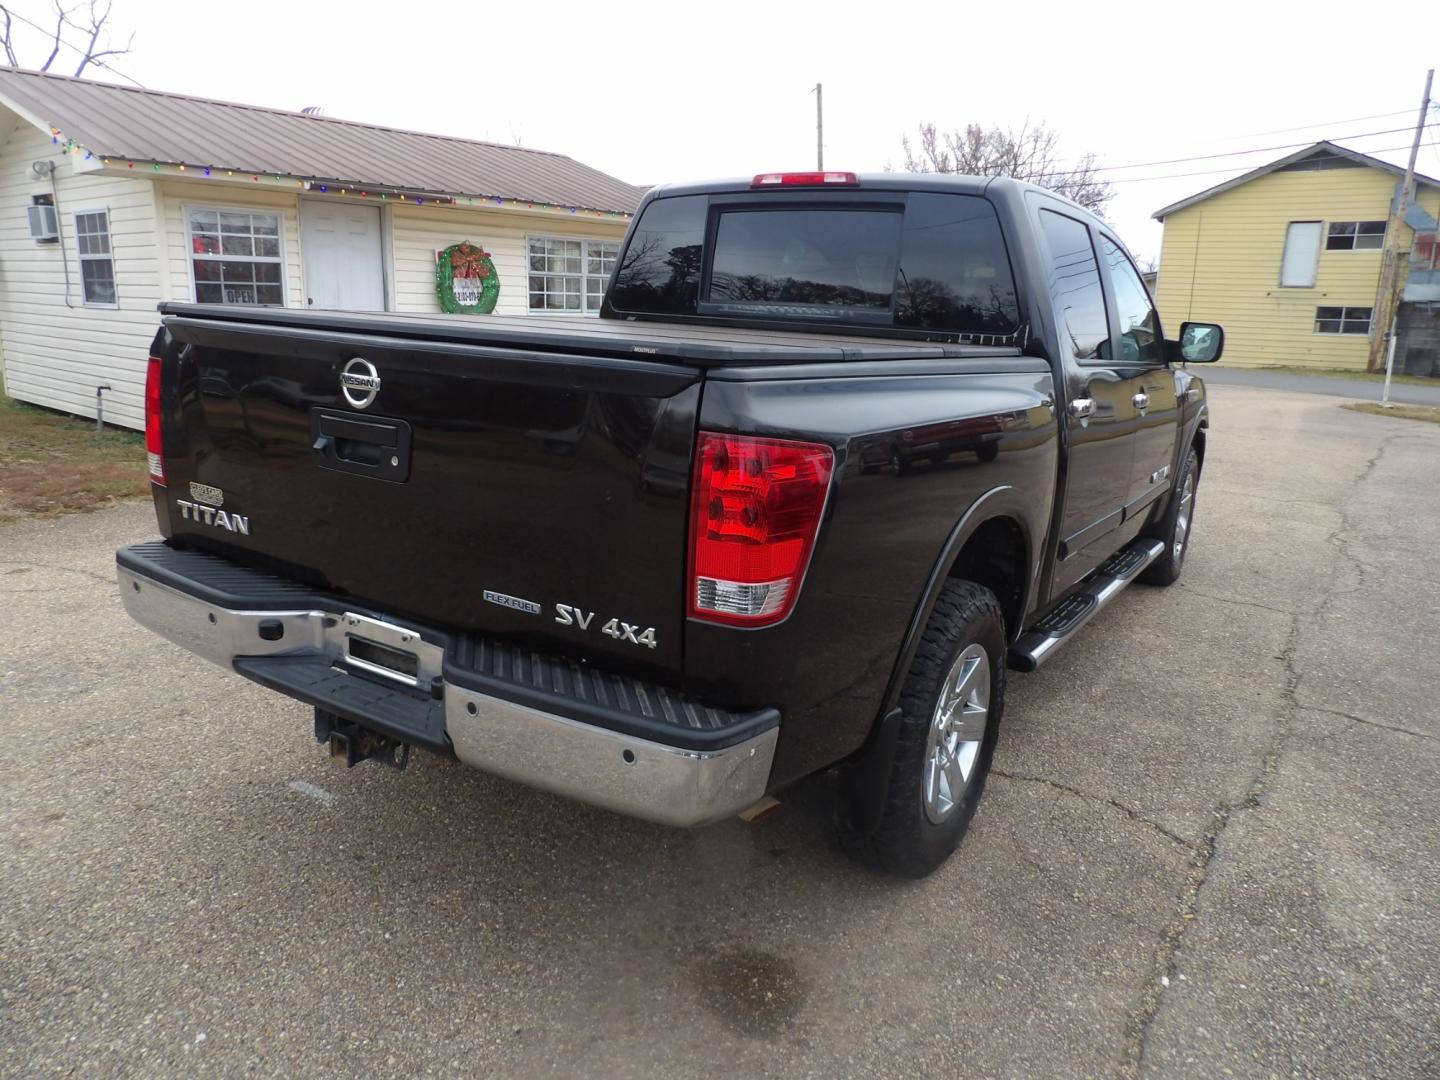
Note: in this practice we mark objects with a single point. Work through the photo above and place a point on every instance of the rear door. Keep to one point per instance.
(473, 487)
(1140, 352)
(1098, 399)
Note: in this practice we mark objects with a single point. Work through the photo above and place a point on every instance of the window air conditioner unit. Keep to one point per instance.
(43, 226)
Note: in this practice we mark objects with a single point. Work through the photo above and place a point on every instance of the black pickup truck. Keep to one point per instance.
(838, 451)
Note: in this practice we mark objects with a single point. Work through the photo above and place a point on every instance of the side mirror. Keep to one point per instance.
(1200, 343)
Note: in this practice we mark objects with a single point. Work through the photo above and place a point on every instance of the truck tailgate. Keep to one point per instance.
(471, 486)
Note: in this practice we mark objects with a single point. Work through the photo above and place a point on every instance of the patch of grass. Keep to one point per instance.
(1347, 373)
(1429, 413)
(51, 463)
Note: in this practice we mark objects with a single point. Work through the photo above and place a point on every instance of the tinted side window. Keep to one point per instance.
(954, 271)
(661, 269)
(1075, 287)
(1139, 325)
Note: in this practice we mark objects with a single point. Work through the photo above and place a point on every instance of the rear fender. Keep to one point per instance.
(866, 776)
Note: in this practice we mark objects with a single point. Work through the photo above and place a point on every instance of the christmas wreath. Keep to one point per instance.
(465, 280)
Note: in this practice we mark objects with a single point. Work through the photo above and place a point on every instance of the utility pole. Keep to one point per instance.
(819, 128)
(1387, 302)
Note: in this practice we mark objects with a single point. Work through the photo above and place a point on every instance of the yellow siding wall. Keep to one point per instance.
(1220, 262)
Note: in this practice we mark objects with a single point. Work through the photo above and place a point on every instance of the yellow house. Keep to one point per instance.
(1288, 257)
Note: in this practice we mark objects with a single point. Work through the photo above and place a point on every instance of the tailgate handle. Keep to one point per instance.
(382, 433)
(375, 446)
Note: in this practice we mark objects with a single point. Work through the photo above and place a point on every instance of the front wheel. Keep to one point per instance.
(1175, 526)
(950, 704)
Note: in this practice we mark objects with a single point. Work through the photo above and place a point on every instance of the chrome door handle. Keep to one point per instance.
(1141, 401)
(1082, 407)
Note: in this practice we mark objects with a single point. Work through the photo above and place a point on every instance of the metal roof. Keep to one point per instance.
(147, 125)
(1322, 150)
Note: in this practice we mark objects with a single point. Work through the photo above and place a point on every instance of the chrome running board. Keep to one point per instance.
(1037, 644)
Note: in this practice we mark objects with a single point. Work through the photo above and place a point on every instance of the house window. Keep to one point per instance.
(97, 264)
(1302, 253)
(1355, 236)
(235, 256)
(1342, 320)
(569, 275)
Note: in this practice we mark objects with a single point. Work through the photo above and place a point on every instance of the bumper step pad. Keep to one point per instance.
(611, 740)
(395, 711)
(536, 680)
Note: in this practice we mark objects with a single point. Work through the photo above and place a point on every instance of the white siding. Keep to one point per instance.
(175, 195)
(418, 232)
(55, 355)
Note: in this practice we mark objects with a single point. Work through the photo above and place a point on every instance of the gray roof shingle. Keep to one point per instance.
(121, 121)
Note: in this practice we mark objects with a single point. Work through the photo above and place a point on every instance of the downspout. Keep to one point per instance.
(49, 166)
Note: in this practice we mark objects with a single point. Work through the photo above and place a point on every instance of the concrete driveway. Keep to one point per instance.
(1212, 845)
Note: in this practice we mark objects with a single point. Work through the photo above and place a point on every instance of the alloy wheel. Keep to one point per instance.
(957, 730)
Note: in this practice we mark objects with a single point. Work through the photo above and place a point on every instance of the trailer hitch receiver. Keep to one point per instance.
(351, 744)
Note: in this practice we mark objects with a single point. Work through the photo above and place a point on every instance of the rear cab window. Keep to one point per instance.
(921, 263)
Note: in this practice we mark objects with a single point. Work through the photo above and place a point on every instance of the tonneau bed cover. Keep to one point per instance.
(699, 344)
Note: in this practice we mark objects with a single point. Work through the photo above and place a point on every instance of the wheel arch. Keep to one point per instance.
(991, 545)
(990, 541)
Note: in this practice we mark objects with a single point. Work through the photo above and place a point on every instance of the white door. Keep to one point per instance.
(341, 248)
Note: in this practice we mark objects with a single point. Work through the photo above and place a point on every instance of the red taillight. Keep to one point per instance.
(154, 445)
(806, 179)
(755, 511)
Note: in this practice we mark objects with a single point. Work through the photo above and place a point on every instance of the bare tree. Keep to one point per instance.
(88, 18)
(1027, 154)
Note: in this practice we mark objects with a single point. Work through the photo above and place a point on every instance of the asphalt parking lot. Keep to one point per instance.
(1212, 846)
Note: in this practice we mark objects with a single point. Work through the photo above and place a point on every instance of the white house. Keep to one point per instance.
(155, 196)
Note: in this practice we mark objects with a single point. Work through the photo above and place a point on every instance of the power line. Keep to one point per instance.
(76, 49)
(1241, 169)
(1064, 162)
(1328, 123)
(1242, 153)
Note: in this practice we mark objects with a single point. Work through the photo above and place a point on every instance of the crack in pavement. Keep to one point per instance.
(1163, 969)
(1354, 720)
(1104, 800)
(1247, 493)
(1243, 603)
(25, 567)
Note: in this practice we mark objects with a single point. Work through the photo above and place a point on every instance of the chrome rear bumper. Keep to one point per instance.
(639, 777)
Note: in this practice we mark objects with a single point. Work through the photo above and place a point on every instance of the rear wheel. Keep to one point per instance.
(951, 706)
(1175, 526)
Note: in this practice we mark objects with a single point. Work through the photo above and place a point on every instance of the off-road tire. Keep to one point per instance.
(1166, 569)
(906, 842)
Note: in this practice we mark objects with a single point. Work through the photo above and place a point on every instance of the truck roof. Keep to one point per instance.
(1001, 187)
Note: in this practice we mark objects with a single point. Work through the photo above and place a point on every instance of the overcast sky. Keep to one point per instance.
(667, 91)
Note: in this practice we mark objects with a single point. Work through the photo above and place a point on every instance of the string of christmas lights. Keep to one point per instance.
(339, 188)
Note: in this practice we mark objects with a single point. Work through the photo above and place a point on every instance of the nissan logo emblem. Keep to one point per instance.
(359, 382)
